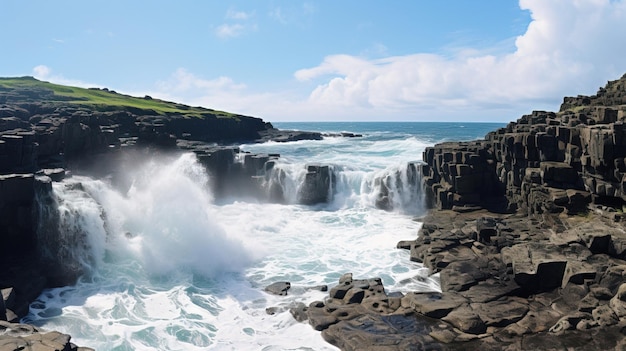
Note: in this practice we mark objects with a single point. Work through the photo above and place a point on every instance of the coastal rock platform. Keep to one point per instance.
(528, 287)
(527, 231)
(15, 336)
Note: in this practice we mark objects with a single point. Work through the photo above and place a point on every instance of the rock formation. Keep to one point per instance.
(528, 235)
(543, 162)
(46, 129)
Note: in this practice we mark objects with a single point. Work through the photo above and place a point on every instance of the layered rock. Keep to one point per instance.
(527, 235)
(544, 162)
(507, 281)
(14, 336)
(317, 187)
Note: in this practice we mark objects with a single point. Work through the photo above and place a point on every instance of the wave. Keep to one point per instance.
(164, 222)
(170, 267)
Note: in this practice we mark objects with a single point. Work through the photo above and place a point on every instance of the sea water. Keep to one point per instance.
(170, 267)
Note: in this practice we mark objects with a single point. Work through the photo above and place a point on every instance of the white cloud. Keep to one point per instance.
(230, 30)
(239, 24)
(43, 72)
(221, 93)
(570, 47)
(182, 81)
(239, 15)
(292, 14)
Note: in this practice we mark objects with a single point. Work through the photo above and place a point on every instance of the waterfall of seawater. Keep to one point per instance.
(397, 187)
(168, 268)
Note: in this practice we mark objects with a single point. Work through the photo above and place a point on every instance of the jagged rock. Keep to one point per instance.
(465, 319)
(618, 302)
(318, 184)
(500, 313)
(299, 312)
(536, 267)
(278, 288)
(538, 262)
(15, 336)
(603, 315)
(434, 305)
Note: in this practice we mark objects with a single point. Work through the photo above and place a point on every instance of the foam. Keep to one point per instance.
(174, 271)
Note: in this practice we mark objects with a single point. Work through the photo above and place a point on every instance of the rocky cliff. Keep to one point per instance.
(527, 234)
(543, 162)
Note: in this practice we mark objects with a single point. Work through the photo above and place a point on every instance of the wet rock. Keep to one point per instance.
(318, 184)
(539, 260)
(502, 312)
(278, 288)
(299, 312)
(465, 319)
(434, 305)
(14, 336)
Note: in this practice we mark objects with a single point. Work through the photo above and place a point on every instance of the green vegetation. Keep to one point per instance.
(102, 99)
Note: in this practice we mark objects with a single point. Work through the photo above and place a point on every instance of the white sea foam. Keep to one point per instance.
(175, 271)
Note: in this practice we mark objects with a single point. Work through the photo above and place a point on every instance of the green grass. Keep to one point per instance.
(104, 100)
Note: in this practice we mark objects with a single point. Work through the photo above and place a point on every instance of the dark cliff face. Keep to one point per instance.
(40, 127)
(46, 128)
(543, 162)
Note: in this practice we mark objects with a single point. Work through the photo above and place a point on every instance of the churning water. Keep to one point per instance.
(169, 267)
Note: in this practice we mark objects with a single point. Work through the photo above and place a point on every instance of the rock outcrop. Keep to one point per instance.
(14, 336)
(544, 162)
(527, 233)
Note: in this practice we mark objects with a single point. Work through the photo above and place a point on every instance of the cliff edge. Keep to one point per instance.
(527, 231)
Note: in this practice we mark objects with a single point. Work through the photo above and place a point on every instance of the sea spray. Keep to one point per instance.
(163, 221)
(71, 231)
(134, 302)
(155, 257)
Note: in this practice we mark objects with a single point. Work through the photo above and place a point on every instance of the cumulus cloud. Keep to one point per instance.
(45, 73)
(238, 24)
(221, 93)
(41, 72)
(569, 47)
(182, 81)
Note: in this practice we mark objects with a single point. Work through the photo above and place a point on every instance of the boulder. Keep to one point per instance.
(318, 184)
(278, 288)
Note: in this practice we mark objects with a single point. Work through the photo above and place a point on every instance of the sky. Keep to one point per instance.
(326, 60)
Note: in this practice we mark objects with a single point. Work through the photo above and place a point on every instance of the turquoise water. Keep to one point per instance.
(172, 268)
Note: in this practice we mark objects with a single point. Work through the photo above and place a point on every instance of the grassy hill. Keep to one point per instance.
(25, 89)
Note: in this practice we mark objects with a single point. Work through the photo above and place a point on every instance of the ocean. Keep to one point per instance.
(171, 267)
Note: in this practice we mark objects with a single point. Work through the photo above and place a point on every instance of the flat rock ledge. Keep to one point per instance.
(15, 336)
(509, 282)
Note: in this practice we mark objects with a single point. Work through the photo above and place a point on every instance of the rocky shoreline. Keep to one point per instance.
(527, 232)
(46, 135)
(526, 227)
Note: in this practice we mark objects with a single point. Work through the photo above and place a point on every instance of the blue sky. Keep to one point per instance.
(457, 60)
